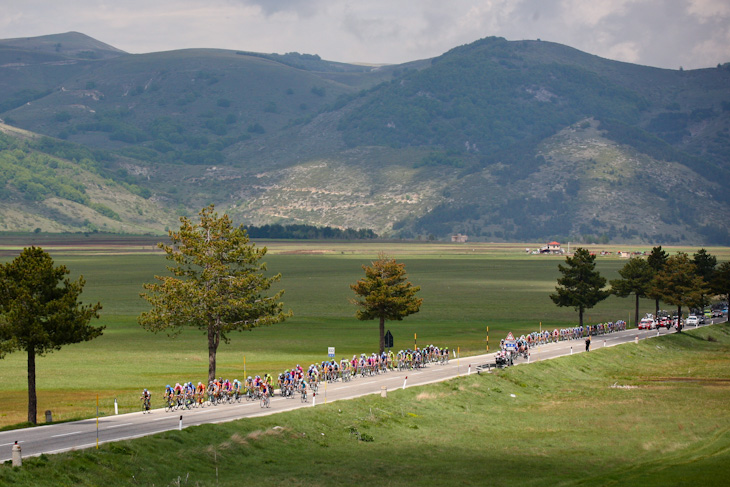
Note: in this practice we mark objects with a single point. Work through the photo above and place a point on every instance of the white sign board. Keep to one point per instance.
(331, 352)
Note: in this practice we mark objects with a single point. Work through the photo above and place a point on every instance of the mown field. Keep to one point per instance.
(653, 413)
(465, 289)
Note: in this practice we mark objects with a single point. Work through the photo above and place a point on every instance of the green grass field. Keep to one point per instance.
(465, 289)
(623, 415)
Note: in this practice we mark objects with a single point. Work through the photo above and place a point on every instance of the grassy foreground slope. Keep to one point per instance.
(648, 414)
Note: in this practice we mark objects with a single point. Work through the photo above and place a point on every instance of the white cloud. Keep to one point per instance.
(664, 33)
(593, 12)
(709, 9)
(624, 51)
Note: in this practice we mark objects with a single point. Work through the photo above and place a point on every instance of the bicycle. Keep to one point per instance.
(212, 399)
(265, 401)
(170, 404)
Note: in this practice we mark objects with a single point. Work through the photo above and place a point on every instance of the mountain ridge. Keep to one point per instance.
(407, 150)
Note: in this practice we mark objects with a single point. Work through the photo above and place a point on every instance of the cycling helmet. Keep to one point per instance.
(145, 390)
(168, 386)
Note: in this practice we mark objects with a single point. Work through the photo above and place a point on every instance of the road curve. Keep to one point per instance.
(76, 435)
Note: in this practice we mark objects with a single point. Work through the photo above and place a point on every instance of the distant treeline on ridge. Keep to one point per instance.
(310, 232)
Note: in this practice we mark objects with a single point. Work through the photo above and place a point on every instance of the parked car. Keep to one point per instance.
(692, 320)
(717, 313)
(646, 324)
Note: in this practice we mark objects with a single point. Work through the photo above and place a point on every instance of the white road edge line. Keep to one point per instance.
(117, 426)
(67, 434)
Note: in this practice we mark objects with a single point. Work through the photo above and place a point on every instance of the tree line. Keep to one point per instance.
(678, 280)
(308, 232)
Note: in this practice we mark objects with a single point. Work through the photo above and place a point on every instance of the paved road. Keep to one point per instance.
(61, 437)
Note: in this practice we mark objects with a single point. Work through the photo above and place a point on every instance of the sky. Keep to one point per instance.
(662, 33)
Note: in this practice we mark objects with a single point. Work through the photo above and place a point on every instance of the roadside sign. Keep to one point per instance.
(388, 340)
(331, 352)
(511, 345)
(510, 337)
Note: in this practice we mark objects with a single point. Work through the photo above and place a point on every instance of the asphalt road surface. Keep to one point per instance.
(56, 438)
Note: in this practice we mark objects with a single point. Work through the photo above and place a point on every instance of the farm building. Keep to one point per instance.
(552, 248)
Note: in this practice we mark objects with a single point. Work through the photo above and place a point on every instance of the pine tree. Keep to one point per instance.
(40, 312)
(581, 286)
(636, 276)
(657, 260)
(385, 294)
(705, 264)
(217, 284)
(721, 281)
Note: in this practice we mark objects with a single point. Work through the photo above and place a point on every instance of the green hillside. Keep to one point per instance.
(40, 191)
(458, 143)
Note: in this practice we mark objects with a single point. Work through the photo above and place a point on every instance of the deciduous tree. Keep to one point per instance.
(40, 311)
(385, 294)
(581, 286)
(678, 284)
(636, 276)
(217, 285)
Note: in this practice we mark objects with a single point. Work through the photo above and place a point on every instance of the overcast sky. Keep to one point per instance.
(663, 33)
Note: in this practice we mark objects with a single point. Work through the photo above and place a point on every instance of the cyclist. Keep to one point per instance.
(189, 392)
(168, 393)
(268, 380)
(266, 392)
(178, 394)
(145, 401)
(302, 389)
(199, 392)
(287, 382)
(212, 392)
